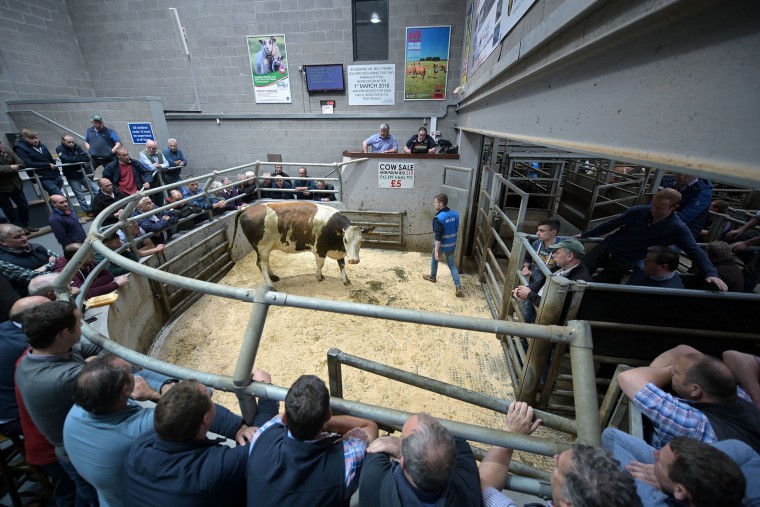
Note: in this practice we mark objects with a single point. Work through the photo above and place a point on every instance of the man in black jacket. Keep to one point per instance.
(70, 152)
(36, 156)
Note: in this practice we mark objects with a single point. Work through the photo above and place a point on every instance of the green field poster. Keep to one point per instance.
(427, 62)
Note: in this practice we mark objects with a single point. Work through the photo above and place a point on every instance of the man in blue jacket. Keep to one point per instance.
(36, 156)
(65, 224)
(445, 227)
(696, 196)
(101, 142)
(638, 228)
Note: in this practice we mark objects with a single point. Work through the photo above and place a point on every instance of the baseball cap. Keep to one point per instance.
(96, 117)
(571, 245)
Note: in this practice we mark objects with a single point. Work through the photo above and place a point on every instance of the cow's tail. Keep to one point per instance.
(234, 231)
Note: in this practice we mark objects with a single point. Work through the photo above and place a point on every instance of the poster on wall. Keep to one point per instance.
(515, 9)
(395, 174)
(493, 21)
(426, 62)
(269, 69)
(467, 43)
(371, 85)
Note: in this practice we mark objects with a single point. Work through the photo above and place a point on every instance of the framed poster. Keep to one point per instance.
(426, 62)
(269, 70)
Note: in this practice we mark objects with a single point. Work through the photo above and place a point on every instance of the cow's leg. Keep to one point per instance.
(262, 262)
(320, 265)
(343, 275)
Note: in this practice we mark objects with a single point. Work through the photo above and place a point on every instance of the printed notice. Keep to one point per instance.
(371, 85)
(396, 174)
(141, 132)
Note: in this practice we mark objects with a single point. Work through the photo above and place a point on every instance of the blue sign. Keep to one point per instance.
(141, 132)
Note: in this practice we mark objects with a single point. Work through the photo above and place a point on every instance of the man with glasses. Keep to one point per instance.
(12, 190)
(65, 225)
(101, 142)
(36, 156)
(70, 152)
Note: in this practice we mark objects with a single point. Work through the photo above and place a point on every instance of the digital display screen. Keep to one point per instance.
(324, 78)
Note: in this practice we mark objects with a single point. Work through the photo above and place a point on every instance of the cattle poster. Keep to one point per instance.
(372, 85)
(426, 62)
(395, 174)
(269, 68)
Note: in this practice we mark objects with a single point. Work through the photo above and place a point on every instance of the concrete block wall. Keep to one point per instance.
(40, 55)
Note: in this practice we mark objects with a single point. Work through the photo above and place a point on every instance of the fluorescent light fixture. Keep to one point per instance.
(375, 18)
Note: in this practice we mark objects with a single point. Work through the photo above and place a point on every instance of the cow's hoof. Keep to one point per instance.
(274, 278)
(347, 282)
(320, 278)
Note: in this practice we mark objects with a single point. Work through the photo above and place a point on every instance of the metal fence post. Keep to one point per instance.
(335, 373)
(584, 383)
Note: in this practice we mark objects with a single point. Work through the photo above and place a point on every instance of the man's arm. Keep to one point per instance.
(15, 166)
(115, 139)
(365, 147)
(754, 221)
(16, 273)
(345, 423)
(394, 146)
(634, 380)
(689, 245)
(409, 144)
(608, 226)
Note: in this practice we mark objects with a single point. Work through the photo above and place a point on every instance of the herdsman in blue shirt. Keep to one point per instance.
(445, 227)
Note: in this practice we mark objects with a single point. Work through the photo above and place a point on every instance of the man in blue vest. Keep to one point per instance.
(101, 142)
(445, 227)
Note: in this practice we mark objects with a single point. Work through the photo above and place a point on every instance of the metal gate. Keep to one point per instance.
(457, 185)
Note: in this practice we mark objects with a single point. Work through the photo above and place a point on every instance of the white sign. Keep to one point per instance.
(395, 174)
(371, 85)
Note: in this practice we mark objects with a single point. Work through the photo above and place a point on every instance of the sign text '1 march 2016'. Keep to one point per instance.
(395, 174)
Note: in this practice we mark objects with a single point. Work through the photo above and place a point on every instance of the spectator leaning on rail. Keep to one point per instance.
(12, 190)
(294, 462)
(153, 158)
(720, 254)
(106, 196)
(104, 282)
(104, 421)
(178, 465)
(36, 156)
(547, 235)
(303, 186)
(383, 142)
(687, 472)
(421, 142)
(660, 269)
(45, 377)
(177, 162)
(707, 407)
(70, 152)
(430, 467)
(101, 142)
(20, 261)
(638, 228)
(65, 225)
(128, 174)
(696, 195)
(746, 368)
(324, 197)
(161, 224)
(745, 237)
(213, 203)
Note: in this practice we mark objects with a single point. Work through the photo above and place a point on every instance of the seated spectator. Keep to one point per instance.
(281, 184)
(248, 186)
(103, 283)
(722, 257)
(303, 186)
(159, 226)
(66, 227)
(660, 270)
(218, 194)
(716, 207)
(324, 197)
(145, 246)
(746, 369)
(639, 227)
(688, 472)
(696, 194)
(494, 469)
(44, 285)
(128, 174)
(547, 235)
(20, 261)
(13, 343)
(568, 255)
(35, 155)
(79, 173)
(229, 192)
(707, 407)
(179, 465)
(432, 468)
(106, 196)
(266, 182)
(745, 237)
(104, 421)
(8, 296)
(294, 462)
(114, 243)
(185, 210)
(213, 202)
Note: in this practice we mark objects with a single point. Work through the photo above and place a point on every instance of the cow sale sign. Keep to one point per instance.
(395, 174)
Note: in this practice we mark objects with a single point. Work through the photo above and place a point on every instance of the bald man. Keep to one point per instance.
(12, 344)
(152, 158)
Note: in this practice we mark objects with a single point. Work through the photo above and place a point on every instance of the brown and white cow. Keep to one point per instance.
(298, 226)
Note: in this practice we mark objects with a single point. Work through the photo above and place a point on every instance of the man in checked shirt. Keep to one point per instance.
(706, 405)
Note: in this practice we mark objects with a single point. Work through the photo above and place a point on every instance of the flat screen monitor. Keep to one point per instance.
(324, 78)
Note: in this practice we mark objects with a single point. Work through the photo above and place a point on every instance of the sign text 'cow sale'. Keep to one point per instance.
(395, 175)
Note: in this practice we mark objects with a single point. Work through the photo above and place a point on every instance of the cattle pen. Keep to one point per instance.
(130, 326)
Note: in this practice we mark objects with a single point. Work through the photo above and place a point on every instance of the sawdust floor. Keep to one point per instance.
(295, 341)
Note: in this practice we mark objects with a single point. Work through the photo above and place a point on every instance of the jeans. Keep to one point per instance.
(86, 495)
(81, 188)
(18, 215)
(450, 261)
(529, 312)
(64, 490)
(53, 187)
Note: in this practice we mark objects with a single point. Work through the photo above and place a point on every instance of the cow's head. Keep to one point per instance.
(352, 240)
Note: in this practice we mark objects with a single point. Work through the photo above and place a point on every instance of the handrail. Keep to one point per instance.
(12, 112)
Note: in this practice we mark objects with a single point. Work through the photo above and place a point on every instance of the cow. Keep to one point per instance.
(299, 226)
(420, 70)
(443, 68)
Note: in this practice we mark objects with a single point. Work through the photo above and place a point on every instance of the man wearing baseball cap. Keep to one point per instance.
(101, 142)
(568, 255)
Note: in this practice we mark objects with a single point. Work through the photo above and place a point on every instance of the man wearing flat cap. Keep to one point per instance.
(101, 142)
(568, 255)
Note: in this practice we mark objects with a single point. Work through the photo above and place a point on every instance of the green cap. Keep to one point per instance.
(96, 117)
(571, 245)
